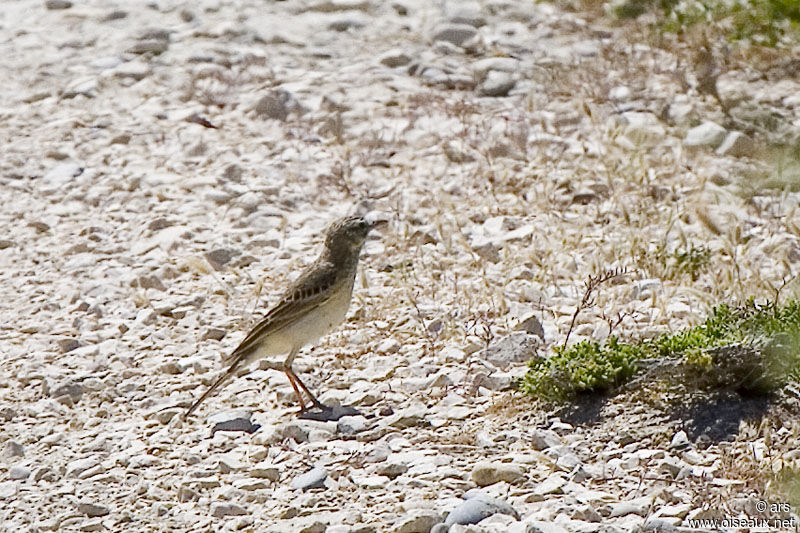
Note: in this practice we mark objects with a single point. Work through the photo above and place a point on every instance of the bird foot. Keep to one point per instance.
(324, 413)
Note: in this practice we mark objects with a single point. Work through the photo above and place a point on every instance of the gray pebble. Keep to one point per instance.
(349, 425)
(57, 4)
(13, 448)
(92, 510)
(517, 347)
(708, 134)
(221, 257)
(419, 521)
(154, 46)
(497, 83)
(219, 509)
(313, 479)
(456, 34)
(71, 388)
(395, 58)
(19, 472)
(477, 508)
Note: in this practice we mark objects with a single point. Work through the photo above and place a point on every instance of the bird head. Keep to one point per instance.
(348, 233)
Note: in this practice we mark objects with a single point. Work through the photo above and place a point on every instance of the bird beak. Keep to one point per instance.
(378, 222)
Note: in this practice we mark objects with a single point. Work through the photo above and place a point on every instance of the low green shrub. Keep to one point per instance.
(754, 347)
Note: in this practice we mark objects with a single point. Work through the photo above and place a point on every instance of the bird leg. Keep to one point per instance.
(297, 385)
(314, 401)
(300, 399)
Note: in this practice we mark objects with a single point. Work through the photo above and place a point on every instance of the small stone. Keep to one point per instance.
(270, 472)
(456, 154)
(152, 46)
(220, 257)
(456, 34)
(13, 448)
(346, 23)
(165, 415)
(642, 128)
(45, 473)
(116, 14)
(19, 472)
(313, 479)
(62, 173)
(586, 513)
(187, 494)
(679, 441)
(552, 485)
(388, 346)
(82, 86)
(537, 526)
(79, 466)
(57, 4)
(350, 425)
(395, 58)
(483, 67)
(670, 466)
(5, 243)
(72, 389)
(477, 508)
(468, 15)
(708, 134)
(236, 423)
(392, 470)
(620, 92)
(250, 484)
(487, 250)
(661, 525)
(122, 138)
(67, 345)
(274, 105)
(233, 172)
(216, 334)
(736, 144)
(419, 521)
(542, 439)
(151, 282)
(220, 509)
(7, 490)
(135, 70)
(312, 525)
(639, 507)
(146, 317)
(532, 326)
(489, 472)
(517, 347)
(497, 84)
(93, 509)
(674, 511)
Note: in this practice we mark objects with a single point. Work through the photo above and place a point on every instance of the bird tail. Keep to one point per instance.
(222, 379)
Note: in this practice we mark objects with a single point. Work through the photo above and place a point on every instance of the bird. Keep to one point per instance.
(309, 308)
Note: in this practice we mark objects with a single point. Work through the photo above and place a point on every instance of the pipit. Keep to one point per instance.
(312, 306)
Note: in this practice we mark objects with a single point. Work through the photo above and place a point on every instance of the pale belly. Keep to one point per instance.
(309, 329)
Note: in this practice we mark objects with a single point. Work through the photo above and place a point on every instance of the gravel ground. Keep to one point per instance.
(169, 166)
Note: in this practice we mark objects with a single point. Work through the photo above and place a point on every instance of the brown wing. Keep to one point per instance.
(312, 289)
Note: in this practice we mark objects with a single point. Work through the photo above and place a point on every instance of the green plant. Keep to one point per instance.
(762, 21)
(752, 346)
(584, 366)
(692, 260)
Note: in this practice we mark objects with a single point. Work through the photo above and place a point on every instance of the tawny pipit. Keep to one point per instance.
(311, 307)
